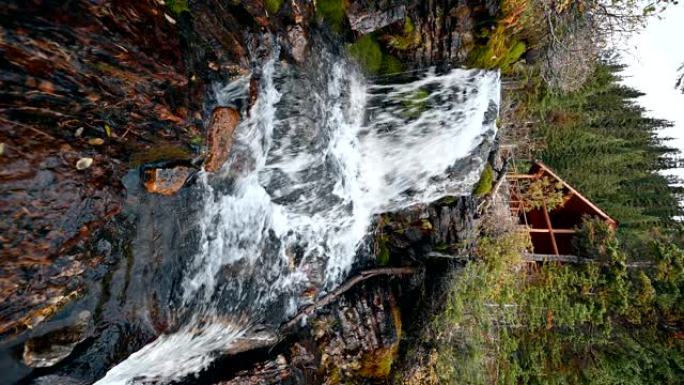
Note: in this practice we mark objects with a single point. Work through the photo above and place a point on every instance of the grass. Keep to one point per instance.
(518, 27)
(500, 51)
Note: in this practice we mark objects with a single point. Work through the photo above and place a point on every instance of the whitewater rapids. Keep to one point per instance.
(320, 154)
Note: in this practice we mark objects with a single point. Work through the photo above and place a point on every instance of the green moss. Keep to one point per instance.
(378, 364)
(409, 27)
(383, 256)
(332, 11)
(484, 186)
(391, 65)
(334, 376)
(273, 6)
(177, 6)
(159, 153)
(408, 39)
(367, 52)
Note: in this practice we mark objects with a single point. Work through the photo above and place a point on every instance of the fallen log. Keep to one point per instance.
(291, 325)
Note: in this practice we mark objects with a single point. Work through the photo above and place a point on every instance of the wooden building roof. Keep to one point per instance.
(553, 231)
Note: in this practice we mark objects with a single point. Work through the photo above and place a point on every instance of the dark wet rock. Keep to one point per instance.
(125, 275)
(353, 339)
(423, 33)
(166, 181)
(49, 349)
(103, 84)
(366, 21)
(220, 136)
(447, 226)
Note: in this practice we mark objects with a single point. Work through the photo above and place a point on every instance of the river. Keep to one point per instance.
(324, 150)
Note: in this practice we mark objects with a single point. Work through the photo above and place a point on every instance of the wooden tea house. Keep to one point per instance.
(550, 209)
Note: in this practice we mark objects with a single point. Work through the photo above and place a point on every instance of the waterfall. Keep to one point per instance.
(321, 152)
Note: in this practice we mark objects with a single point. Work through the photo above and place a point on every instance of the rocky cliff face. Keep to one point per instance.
(96, 91)
(91, 89)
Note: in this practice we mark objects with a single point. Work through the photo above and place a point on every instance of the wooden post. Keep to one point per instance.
(554, 245)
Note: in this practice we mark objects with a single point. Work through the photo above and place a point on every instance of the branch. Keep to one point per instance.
(332, 296)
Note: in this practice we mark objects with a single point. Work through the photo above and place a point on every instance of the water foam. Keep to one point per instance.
(315, 160)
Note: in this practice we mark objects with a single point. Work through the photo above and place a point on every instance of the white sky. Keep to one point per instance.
(653, 59)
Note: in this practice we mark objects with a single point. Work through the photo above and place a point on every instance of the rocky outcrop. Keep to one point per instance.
(423, 33)
(91, 89)
(166, 181)
(448, 227)
(220, 136)
(52, 347)
(363, 20)
(298, 43)
(353, 339)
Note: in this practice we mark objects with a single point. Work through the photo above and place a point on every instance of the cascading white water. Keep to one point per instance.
(319, 155)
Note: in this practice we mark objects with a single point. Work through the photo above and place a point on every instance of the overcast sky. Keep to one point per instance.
(653, 59)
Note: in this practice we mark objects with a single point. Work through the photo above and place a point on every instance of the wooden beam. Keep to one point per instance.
(554, 245)
(555, 231)
(567, 258)
(521, 176)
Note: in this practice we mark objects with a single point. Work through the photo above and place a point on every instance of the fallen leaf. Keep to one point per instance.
(78, 132)
(84, 163)
(108, 130)
(96, 141)
(2, 148)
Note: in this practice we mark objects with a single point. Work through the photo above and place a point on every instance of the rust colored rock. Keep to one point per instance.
(166, 181)
(220, 136)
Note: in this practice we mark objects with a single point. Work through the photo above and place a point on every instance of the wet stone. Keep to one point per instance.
(366, 21)
(298, 43)
(220, 136)
(49, 349)
(166, 181)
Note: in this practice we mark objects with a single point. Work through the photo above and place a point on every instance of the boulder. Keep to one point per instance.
(48, 349)
(220, 137)
(298, 42)
(166, 181)
(365, 21)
